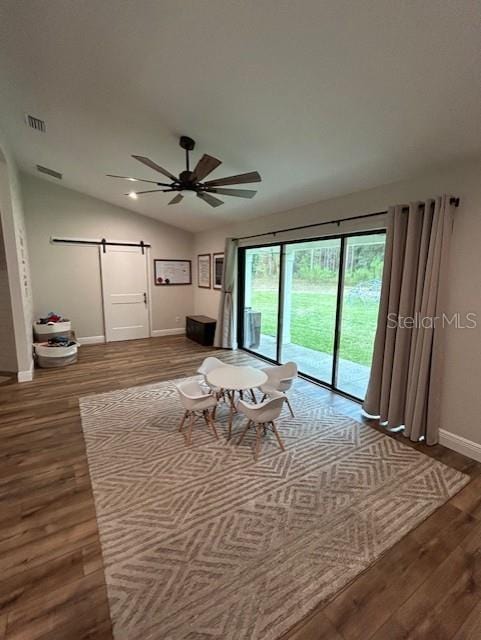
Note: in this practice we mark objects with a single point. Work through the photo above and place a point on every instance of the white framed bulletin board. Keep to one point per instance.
(172, 272)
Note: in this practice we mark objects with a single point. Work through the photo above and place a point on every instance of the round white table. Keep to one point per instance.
(233, 379)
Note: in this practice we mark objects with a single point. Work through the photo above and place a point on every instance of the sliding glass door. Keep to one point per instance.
(260, 293)
(316, 303)
(361, 291)
(308, 318)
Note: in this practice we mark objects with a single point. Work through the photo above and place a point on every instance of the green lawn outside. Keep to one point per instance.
(313, 318)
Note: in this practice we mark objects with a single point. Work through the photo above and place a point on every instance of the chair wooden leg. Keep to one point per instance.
(231, 395)
(214, 411)
(258, 441)
(290, 408)
(182, 422)
(276, 433)
(229, 426)
(212, 423)
(189, 433)
(264, 397)
(253, 395)
(206, 419)
(244, 432)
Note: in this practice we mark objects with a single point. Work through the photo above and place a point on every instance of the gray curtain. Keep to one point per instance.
(225, 331)
(406, 375)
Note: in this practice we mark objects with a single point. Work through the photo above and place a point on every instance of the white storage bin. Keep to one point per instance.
(43, 332)
(55, 356)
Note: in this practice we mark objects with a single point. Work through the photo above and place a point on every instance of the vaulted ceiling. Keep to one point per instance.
(321, 97)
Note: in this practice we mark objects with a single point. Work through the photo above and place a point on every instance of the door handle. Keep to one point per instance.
(145, 298)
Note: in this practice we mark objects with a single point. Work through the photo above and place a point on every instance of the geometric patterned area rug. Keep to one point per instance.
(203, 543)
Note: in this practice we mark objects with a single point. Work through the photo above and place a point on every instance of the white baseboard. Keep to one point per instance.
(92, 340)
(461, 445)
(157, 333)
(26, 376)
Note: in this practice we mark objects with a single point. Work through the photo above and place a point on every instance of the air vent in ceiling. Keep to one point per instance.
(35, 123)
(49, 172)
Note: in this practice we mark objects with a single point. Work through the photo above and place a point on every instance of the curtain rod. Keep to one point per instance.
(454, 201)
(102, 243)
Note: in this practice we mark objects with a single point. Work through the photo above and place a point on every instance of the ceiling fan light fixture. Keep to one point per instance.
(193, 181)
(187, 192)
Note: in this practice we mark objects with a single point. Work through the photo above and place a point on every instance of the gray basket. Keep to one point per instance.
(52, 363)
(43, 332)
(50, 357)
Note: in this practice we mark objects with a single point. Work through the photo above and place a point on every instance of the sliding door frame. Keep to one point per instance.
(332, 385)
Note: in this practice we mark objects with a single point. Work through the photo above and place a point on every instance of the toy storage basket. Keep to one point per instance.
(48, 357)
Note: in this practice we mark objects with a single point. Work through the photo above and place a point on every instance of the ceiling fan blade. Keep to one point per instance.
(153, 165)
(239, 193)
(206, 165)
(242, 178)
(176, 199)
(138, 193)
(110, 175)
(214, 202)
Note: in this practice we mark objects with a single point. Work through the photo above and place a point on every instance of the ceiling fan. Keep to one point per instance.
(192, 181)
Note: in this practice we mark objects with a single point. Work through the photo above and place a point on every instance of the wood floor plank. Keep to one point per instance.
(317, 627)
(46, 520)
(47, 548)
(92, 558)
(392, 630)
(83, 631)
(365, 605)
(448, 596)
(469, 499)
(55, 609)
(471, 628)
(23, 588)
(51, 570)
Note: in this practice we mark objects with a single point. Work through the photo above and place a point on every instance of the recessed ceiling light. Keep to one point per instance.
(132, 179)
(133, 195)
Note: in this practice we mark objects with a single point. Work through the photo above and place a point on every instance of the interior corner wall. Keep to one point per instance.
(8, 354)
(66, 278)
(461, 400)
(16, 270)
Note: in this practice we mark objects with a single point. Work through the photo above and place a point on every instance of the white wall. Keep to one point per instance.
(66, 278)
(17, 264)
(461, 403)
(8, 354)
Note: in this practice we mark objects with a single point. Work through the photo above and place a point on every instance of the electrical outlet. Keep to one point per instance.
(177, 319)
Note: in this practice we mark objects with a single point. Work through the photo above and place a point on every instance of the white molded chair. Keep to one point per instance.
(262, 417)
(280, 379)
(209, 365)
(197, 402)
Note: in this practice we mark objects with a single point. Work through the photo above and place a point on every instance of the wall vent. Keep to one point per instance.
(35, 123)
(49, 172)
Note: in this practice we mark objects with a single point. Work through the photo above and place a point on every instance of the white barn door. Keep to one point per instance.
(125, 293)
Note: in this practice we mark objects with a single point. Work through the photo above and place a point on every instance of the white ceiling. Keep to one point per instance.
(321, 97)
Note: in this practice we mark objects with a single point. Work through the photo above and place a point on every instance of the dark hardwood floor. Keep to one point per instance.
(52, 585)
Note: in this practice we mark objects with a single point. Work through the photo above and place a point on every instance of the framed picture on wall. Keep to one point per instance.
(172, 272)
(203, 270)
(217, 270)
